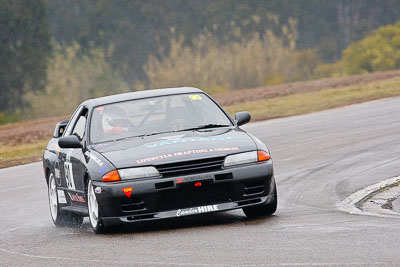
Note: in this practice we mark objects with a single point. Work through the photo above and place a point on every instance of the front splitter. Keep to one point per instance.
(192, 210)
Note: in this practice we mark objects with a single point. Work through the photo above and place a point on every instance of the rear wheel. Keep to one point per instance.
(262, 210)
(94, 213)
(60, 218)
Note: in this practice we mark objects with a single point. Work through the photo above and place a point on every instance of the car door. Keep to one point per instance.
(72, 160)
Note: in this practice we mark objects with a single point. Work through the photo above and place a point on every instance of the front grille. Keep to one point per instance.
(191, 167)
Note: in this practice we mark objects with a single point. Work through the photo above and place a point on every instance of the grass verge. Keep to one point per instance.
(22, 153)
(303, 103)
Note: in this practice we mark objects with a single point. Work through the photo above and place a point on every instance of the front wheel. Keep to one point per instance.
(59, 218)
(262, 210)
(94, 213)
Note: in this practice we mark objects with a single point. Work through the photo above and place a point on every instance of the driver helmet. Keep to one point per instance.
(115, 120)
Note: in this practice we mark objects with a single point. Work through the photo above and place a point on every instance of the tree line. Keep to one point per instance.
(141, 44)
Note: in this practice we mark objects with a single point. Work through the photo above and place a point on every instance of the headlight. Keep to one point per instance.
(135, 173)
(247, 157)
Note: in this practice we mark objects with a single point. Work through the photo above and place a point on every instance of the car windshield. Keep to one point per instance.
(155, 115)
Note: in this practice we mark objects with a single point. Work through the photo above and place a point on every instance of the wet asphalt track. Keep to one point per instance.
(319, 160)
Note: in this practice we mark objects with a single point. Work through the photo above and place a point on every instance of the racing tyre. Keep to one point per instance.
(60, 218)
(94, 212)
(262, 210)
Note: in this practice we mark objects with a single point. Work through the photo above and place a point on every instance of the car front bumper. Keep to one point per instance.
(150, 199)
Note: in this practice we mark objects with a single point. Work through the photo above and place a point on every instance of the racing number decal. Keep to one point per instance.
(69, 177)
(195, 97)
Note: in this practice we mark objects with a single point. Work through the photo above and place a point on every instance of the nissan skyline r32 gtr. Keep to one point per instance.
(152, 155)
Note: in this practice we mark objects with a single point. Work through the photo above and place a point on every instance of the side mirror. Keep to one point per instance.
(60, 128)
(69, 142)
(242, 117)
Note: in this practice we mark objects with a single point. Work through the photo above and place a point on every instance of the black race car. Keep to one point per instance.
(155, 154)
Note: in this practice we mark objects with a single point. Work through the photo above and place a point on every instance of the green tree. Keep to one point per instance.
(24, 50)
(377, 52)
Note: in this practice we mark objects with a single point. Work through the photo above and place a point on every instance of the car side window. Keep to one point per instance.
(72, 121)
(80, 126)
(79, 130)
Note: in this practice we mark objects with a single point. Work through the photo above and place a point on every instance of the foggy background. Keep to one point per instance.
(56, 54)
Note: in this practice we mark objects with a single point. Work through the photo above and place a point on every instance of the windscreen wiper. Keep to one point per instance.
(124, 138)
(206, 126)
(141, 135)
(156, 133)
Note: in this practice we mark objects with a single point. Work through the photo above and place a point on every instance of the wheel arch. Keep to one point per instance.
(86, 178)
(47, 174)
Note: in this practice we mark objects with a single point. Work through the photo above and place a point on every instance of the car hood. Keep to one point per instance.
(175, 147)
